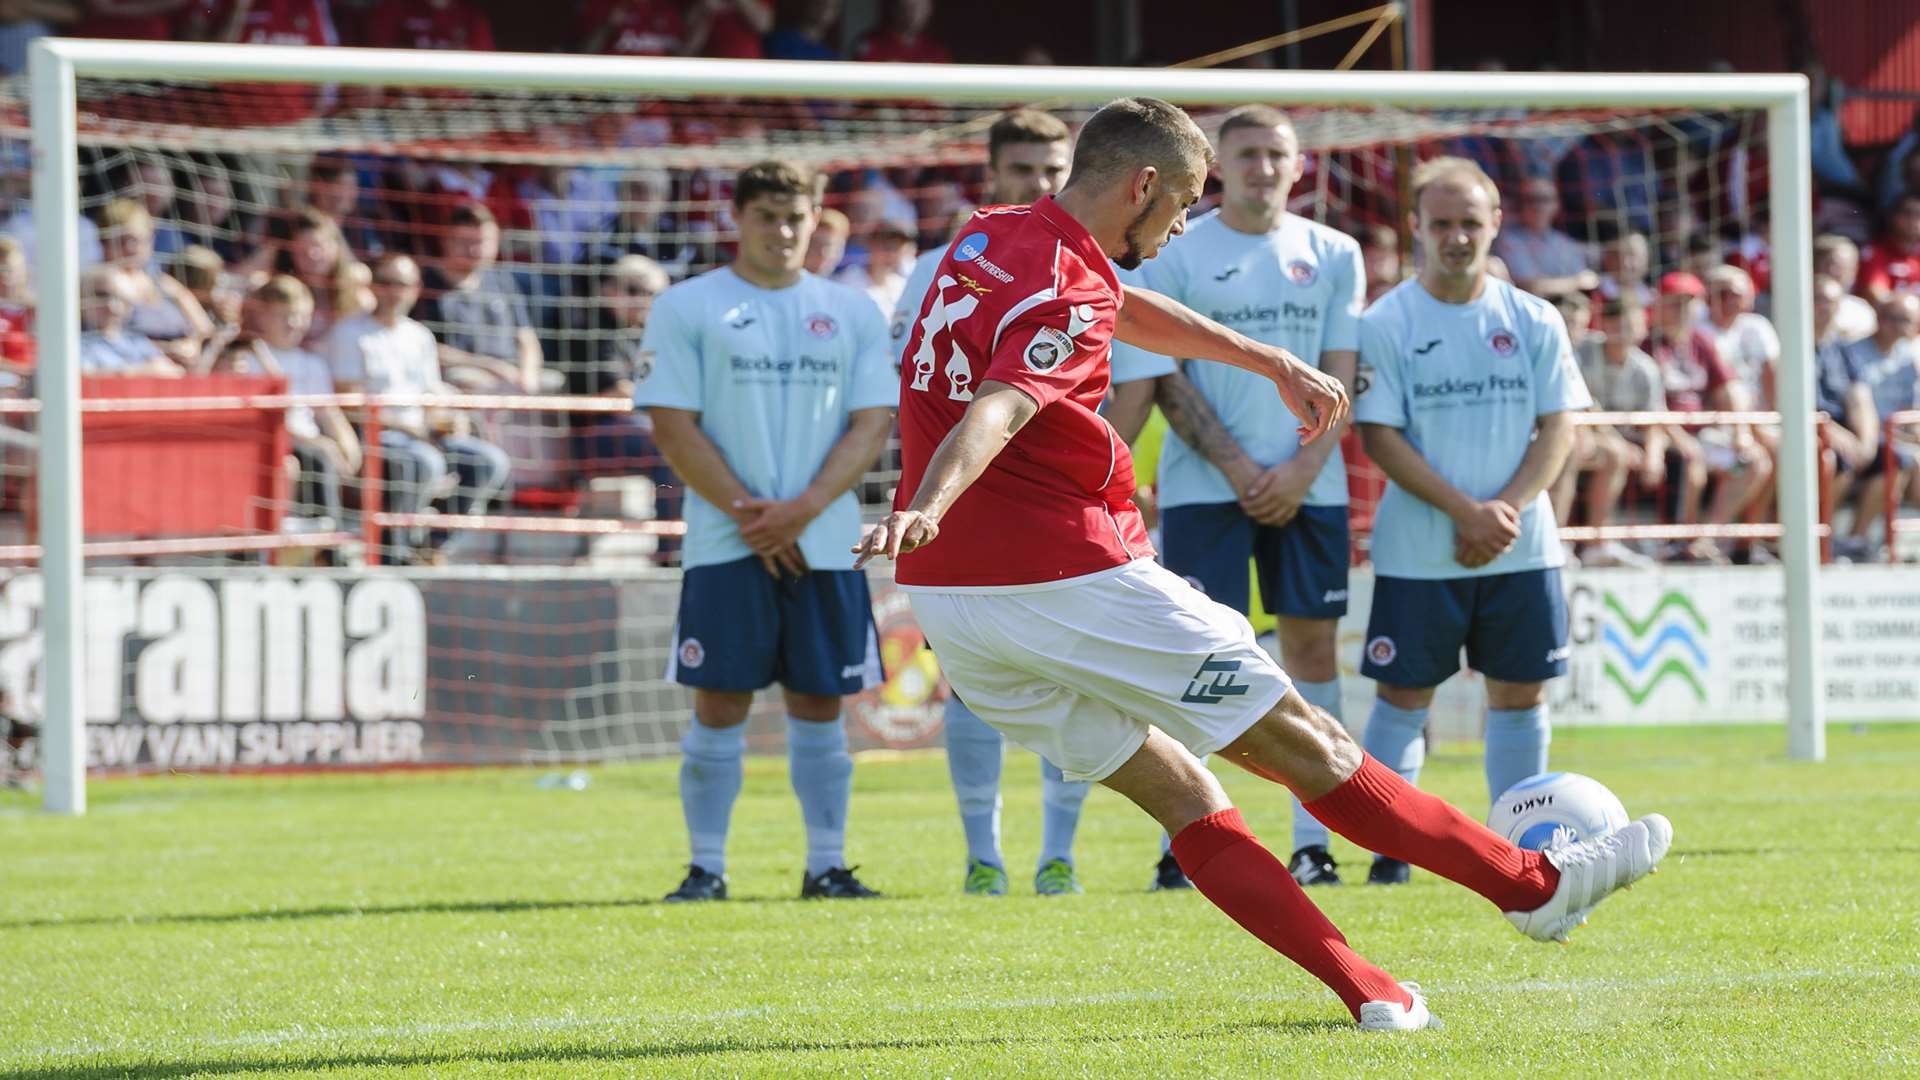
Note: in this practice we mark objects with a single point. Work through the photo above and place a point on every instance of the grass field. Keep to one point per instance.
(474, 924)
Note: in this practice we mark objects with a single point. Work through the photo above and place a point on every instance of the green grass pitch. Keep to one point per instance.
(474, 924)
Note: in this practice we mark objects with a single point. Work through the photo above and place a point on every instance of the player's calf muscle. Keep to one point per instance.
(1297, 745)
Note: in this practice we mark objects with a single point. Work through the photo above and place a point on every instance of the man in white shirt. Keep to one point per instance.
(385, 352)
(1838, 258)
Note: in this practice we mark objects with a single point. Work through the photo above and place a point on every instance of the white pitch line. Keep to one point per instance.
(301, 1033)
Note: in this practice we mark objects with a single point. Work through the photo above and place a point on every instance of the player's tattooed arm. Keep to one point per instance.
(1191, 418)
(995, 415)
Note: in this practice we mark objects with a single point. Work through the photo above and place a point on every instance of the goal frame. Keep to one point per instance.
(56, 64)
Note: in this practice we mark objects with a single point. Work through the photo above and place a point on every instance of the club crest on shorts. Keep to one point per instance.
(1302, 272)
(1503, 342)
(1381, 650)
(822, 326)
(1048, 350)
(692, 653)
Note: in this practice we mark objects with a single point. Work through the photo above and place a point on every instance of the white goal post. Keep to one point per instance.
(56, 64)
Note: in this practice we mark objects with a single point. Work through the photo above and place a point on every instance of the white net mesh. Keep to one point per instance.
(244, 181)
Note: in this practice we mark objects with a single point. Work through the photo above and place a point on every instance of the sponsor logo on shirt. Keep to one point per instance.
(692, 653)
(1302, 273)
(1215, 682)
(1503, 342)
(1470, 388)
(972, 248)
(973, 286)
(822, 326)
(1248, 313)
(738, 317)
(1048, 349)
(1381, 650)
(805, 365)
(1427, 348)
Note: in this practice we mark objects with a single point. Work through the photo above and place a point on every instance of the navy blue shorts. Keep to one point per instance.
(740, 628)
(1513, 626)
(1302, 565)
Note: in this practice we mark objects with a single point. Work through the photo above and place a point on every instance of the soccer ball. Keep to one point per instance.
(1550, 810)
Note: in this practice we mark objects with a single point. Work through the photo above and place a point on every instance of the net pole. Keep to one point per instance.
(1790, 194)
(56, 206)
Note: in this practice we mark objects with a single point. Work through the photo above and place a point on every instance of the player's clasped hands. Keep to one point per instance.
(1485, 532)
(772, 528)
(899, 532)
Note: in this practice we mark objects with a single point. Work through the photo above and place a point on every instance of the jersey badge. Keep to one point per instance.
(1503, 342)
(692, 653)
(1079, 318)
(1381, 651)
(822, 326)
(1302, 273)
(1048, 350)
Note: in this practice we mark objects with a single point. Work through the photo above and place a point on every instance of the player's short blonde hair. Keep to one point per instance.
(1449, 169)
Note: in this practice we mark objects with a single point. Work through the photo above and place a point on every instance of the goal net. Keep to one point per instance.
(235, 587)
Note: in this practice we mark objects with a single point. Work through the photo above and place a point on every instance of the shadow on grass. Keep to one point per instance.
(338, 911)
(688, 1048)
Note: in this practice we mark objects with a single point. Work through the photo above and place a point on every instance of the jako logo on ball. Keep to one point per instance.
(1554, 809)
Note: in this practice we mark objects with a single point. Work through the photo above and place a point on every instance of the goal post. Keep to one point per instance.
(57, 64)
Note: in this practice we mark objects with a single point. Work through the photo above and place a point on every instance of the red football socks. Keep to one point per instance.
(1383, 813)
(1243, 879)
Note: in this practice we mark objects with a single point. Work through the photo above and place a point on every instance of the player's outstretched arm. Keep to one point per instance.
(1159, 324)
(995, 415)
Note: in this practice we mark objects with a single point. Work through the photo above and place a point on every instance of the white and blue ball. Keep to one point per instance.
(1550, 810)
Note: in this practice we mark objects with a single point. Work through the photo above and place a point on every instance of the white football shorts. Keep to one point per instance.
(1076, 672)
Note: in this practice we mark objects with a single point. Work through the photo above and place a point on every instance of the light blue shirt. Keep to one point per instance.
(1128, 363)
(1300, 287)
(912, 295)
(773, 374)
(1465, 383)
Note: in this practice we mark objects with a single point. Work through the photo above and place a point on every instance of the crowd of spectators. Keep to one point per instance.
(405, 274)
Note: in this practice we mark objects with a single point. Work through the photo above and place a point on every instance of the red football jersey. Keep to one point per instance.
(640, 27)
(418, 24)
(1886, 269)
(1024, 297)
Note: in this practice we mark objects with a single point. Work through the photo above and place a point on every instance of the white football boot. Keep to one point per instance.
(1393, 1016)
(1592, 869)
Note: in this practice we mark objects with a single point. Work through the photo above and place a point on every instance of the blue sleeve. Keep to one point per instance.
(672, 369)
(875, 383)
(1558, 385)
(1131, 364)
(1382, 390)
(1349, 297)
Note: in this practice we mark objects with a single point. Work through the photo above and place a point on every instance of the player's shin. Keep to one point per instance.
(1517, 741)
(974, 755)
(1060, 802)
(1242, 878)
(710, 778)
(822, 774)
(1378, 810)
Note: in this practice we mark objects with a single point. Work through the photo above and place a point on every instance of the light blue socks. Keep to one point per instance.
(1517, 742)
(822, 775)
(709, 783)
(1394, 736)
(1308, 832)
(1060, 803)
(974, 753)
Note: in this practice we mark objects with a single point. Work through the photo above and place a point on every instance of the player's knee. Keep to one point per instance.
(822, 708)
(1509, 695)
(1406, 698)
(1309, 649)
(721, 708)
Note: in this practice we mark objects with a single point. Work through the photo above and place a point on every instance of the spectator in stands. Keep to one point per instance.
(1542, 259)
(889, 257)
(1837, 258)
(903, 37)
(308, 245)
(569, 210)
(1622, 378)
(386, 352)
(829, 243)
(1894, 262)
(200, 271)
(806, 33)
(430, 24)
(1696, 379)
(475, 307)
(1577, 310)
(164, 312)
(1744, 339)
(16, 208)
(333, 188)
(604, 360)
(16, 308)
(276, 318)
(1625, 264)
(1703, 252)
(204, 206)
(150, 181)
(637, 27)
(135, 20)
(107, 347)
(1848, 430)
(1887, 367)
(646, 224)
(263, 22)
(1610, 181)
(24, 21)
(1900, 169)
(1380, 251)
(731, 29)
